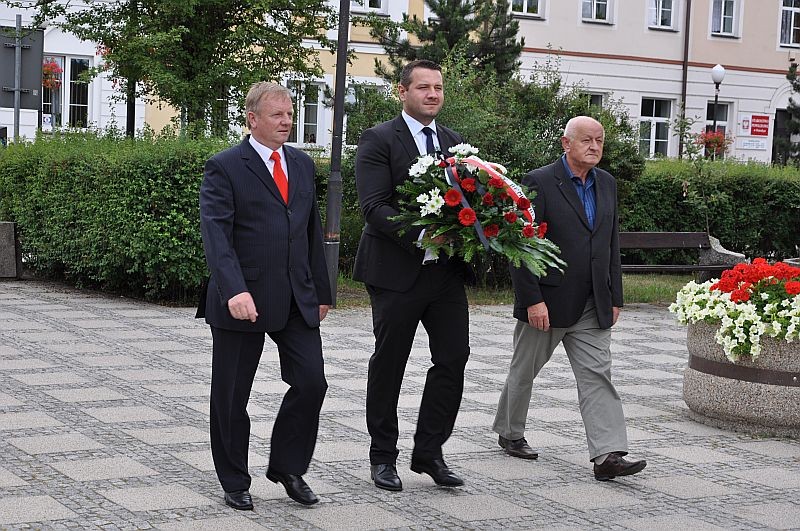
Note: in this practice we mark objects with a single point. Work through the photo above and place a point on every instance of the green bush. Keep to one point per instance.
(116, 214)
(752, 208)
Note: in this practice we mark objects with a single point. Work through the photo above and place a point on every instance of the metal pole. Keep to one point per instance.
(685, 70)
(17, 76)
(714, 121)
(334, 198)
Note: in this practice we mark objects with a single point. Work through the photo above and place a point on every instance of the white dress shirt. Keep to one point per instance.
(421, 140)
(419, 137)
(265, 153)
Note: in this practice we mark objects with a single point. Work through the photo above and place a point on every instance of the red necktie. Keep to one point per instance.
(280, 178)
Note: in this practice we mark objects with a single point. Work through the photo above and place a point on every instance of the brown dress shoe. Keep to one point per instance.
(517, 448)
(616, 465)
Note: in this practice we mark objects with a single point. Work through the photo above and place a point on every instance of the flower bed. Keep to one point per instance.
(744, 357)
(748, 302)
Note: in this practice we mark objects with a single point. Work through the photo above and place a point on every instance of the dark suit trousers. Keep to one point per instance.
(294, 434)
(437, 299)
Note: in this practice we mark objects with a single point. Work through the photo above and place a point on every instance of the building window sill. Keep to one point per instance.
(527, 16)
(599, 22)
(725, 35)
(666, 29)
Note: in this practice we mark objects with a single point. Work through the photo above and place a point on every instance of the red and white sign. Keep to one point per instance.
(754, 125)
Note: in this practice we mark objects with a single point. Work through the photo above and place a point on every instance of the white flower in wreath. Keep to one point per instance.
(433, 204)
(464, 150)
(421, 166)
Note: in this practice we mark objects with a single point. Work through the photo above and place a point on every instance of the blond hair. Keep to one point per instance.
(260, 90)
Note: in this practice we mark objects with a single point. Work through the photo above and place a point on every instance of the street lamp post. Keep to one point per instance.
(717, 75)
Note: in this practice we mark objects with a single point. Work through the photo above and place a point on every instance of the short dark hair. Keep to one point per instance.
(405, 76)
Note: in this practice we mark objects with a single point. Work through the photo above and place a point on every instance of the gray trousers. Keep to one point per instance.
(589, 353)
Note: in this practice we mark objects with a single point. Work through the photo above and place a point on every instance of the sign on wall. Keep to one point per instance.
(753, 124)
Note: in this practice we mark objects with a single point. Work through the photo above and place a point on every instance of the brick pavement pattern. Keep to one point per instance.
(104, 424)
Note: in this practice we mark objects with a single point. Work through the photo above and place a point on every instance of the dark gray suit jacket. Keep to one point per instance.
(385, 153)
(592, 255)
(255, 242)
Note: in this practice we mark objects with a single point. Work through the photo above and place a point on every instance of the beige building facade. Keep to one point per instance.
(651, 56)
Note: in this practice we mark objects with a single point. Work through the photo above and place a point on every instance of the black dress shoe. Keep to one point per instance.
(438, 470)
(295, 486)
(517, 448)
(240, 500)
(615, 465)
(385, 477)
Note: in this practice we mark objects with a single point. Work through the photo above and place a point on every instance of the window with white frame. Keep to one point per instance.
(724, 17)
(369, 5)
(654, 127)
(662, 14)
(722, 116)
(65, 95)
(596, 10)
(306, 99)
(528, 7)
(790, 23)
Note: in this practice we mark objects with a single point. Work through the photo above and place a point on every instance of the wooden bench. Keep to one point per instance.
(713, 258)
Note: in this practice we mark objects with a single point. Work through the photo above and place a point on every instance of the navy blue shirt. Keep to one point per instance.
(585, 191)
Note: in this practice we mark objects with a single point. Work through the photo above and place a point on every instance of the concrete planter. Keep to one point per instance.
(761, 396)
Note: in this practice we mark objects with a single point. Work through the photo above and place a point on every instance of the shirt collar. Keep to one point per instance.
(263, 151)
(573, 177)
(415, 126)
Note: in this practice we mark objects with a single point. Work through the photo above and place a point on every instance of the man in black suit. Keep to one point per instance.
(263, 244)
(404, 291)
(579, 204)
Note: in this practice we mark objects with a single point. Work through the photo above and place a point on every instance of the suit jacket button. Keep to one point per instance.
(288, 211)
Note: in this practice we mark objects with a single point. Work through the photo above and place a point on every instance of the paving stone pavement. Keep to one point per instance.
(104, 421)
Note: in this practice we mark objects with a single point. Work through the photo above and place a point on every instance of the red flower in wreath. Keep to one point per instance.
(542, 229)
(452, 197)
(502, 195)
(467, 217)
(511, 217)
(496, 182)
(523, 203)
(488, 199)
(491, 231)
(528, 231)
(468, 184)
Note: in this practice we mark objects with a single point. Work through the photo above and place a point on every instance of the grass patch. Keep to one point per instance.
(653, 288)
(656, 289)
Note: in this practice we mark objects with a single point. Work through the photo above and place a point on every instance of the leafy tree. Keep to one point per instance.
(482, 30)
(199, 56)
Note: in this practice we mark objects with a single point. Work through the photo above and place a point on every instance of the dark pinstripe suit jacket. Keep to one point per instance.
(255, 242)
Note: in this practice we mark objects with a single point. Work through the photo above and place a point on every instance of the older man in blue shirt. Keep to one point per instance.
(576, 307)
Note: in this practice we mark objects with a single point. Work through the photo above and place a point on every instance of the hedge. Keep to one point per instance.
(122, 215)
(752, 208)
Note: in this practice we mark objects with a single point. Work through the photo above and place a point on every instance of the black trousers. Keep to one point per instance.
(437, 300)
(294, 434)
